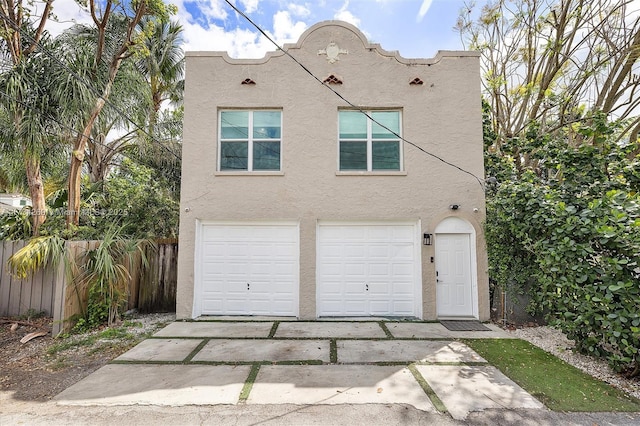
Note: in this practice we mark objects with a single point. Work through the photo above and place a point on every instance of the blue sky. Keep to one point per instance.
(416, 28)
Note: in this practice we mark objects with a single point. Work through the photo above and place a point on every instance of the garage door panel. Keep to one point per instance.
(404, 251)
(379, 269)
(371, 267)
(353, 288)
(403, 288)
(333, 307)
(332, 289)
(378, 250)
(378, 289)
(244, 266)
(355, 308)
(212, 305)
(354, 269)
(212, 250)
(283, 269)
(380, 307)
(403, 308)
(354, 251)
(403, 269)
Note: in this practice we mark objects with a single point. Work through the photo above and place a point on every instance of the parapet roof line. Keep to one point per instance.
(366, 45)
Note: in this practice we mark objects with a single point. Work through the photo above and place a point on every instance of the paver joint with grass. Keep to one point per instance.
(558, 385)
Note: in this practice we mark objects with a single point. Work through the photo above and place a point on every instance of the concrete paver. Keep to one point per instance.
(353, 380)
(331, 329)
(160, 350)
(435, 330)
(338, 384)
(359, 351)
(264, 350)
(172, 385)
(464, 389)
(216, 329)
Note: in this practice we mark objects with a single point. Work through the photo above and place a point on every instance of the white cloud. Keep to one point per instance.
(285, 30)
(250, 6)
(242, 43)
(299, 10)
(426, 4)
(237, 43)
(210, 9)
(344, 15)
(67, 13)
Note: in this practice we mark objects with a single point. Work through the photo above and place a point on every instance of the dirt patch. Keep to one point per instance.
(43, 367)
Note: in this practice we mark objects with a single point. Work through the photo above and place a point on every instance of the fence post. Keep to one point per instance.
(60, 289)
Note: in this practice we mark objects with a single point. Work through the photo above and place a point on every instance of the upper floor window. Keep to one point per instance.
(250, 140)
(369, 146)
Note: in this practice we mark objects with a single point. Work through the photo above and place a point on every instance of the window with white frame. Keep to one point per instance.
(250, 140)
(369, 144)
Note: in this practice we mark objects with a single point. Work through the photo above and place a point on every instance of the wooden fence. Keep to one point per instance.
(151, 288)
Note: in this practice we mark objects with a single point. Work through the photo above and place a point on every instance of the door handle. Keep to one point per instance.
(248, 286)
(366, 287)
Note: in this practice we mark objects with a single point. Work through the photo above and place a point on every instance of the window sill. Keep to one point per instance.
(374, 173)
(265, 173)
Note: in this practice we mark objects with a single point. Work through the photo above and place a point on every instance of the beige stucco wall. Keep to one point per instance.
(443, 116)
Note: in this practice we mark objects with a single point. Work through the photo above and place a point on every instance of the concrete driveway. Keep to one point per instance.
(305, 363)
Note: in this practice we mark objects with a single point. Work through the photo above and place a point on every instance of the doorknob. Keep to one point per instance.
(248, 286)
(366, 287)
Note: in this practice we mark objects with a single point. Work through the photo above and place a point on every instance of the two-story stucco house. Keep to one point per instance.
(300, 204)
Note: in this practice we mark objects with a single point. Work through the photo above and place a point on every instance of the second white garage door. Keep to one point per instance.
(368, 269)
(248, 269)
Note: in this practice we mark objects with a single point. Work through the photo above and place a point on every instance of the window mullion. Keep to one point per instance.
(219, 166)
(250, 143)
(369, 143)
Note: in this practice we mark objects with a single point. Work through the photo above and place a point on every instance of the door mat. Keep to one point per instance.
(465, 326)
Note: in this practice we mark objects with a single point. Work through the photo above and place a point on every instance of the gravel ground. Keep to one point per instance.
(43, 367)
(151, 322)
(556, 343)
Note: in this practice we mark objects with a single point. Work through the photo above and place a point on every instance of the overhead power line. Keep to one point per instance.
(351, 104)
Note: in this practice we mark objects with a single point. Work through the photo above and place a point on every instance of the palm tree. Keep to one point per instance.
(163, 63)
(32, 138)
(26, 102)
(115, 42)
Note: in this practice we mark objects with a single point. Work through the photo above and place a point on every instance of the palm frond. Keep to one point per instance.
(36, 254)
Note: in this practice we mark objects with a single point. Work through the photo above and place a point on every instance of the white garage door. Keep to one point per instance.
(368, 270)
(248, 269)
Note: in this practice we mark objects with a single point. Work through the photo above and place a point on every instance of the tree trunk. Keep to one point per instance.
(36, 189)
(75, 170)
(97, 161)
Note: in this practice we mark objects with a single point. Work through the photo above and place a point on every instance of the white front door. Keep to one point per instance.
(368, 270)
(453, 265)
(248, 269)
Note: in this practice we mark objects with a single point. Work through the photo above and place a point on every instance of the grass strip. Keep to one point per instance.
(558, 385)
(248, 384)
(273, 330)
(333, 351)
(196, 350)
(384, 328)
(435, 400)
